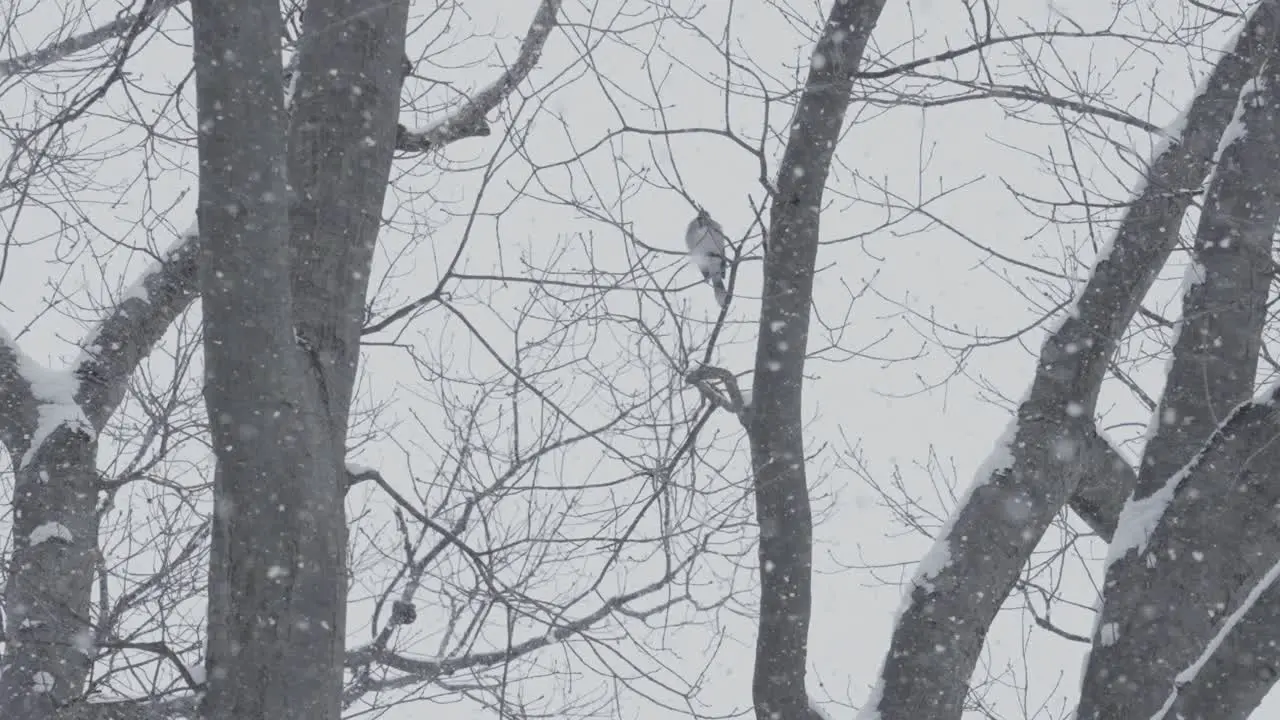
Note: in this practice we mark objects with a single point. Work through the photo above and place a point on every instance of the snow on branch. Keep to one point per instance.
(124, 24)
(177, 708)
(130, 330)
(34, 402)
(468, 119)
(17, 404)
(1237, 667)
(1196, 535)
(930, 661)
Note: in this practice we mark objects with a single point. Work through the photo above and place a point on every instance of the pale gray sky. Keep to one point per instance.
(922, 271)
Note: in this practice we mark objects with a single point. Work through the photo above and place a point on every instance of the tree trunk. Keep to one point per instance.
(962, 584)
(276, 585)
(775, 427)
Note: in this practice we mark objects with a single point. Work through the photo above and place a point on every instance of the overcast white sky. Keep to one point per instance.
(921, 272)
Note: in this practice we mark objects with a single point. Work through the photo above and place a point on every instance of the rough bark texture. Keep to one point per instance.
(59, 571)
(1104, 486)
(937, 640)
(276, 585)
(775, 430)
(47, 628)
(1162, 603)
(1240, 670)
(341, 140)
(50, 430)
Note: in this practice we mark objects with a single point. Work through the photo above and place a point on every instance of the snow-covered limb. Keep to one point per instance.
(937, 641)
(34, 402)
(172, 708)
(1238, 667)
(1175, 559)
(131, 329)
(468, 119)
(66, 47)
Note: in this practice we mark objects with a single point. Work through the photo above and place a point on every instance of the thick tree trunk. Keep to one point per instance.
(49, 421)
(341, 141)
(1158, 604)
(276, 585)
(960, 587)
(51, 570)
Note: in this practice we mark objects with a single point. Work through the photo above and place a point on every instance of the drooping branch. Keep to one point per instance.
(975, 562)
(468, 119)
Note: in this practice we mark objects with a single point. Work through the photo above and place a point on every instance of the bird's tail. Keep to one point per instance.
(722, 293)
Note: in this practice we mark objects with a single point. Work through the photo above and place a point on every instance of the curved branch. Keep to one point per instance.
(468, 119)
(124, 24)
(131, 329)
(419, 671)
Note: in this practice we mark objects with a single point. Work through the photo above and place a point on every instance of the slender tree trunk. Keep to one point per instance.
(775, 427)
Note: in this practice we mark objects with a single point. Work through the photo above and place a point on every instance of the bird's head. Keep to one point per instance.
(704, 217)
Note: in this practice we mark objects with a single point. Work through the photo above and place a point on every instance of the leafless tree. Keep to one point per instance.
(1181, 629)
(1174, 592)
(476, 564)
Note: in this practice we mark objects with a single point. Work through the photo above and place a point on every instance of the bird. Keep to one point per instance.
(706, 241)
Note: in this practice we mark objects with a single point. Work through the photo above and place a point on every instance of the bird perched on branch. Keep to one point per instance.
(706, 241)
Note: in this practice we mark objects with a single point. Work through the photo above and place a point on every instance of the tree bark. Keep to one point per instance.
(1165, 599)
(276, 586)
(965, 580)
(49, 421)
(1239, 667)
(775, 427)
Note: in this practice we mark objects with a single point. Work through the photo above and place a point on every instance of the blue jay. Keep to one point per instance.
(706, 241)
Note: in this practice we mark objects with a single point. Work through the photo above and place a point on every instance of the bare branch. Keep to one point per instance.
(121, 26)
(732, 400)
(468, 120)
(131, 329)
(418, 671)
